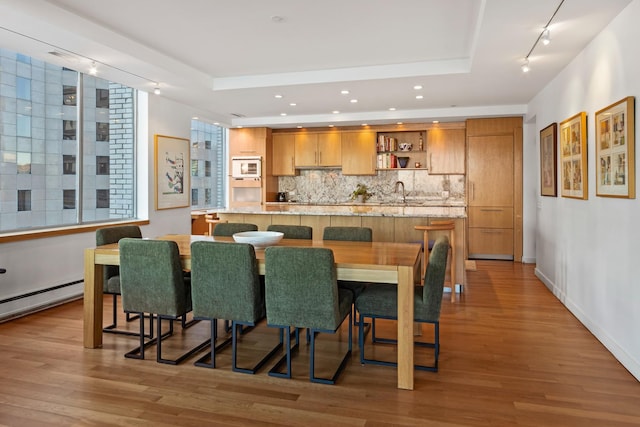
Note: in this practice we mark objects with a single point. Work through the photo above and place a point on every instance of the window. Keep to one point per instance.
(23, 88)
(52, 159)
(102, 165)
(102, 199)
(68, 164)
(69, 95)
(102, 98)
(208, 166)
(24, 200)
(69, 129)
(23, 161)
(68, 199)
(23, 126)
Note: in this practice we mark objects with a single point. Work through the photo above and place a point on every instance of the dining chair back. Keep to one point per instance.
(230, 228)
(302, 292)
(111, 273)
(225, 284)
(380, 300)
(293, 231)
(152, 281)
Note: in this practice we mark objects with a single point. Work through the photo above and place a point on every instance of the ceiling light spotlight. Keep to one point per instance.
(283, 114)
(156, 90)
(525, 66)
(392, 108)
(336, 112)
(344, 92)
(546, 37)
(93, 70)
(292, 104)
(417, 87)
(353, 101)
(278, 96)
(419, 96)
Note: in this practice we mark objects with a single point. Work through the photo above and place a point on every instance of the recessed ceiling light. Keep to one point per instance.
(336, 112)
(331, 126)
(299, 127)
(399, 123)
(417, 87)
(278, 96)
(194, 118)
(365, 124)
(283, 114)
(216, 123)
(353, 101)
(435, 122)
(239, 127)
(392, 108)
(293, 104)
(419, 96)
(344, 92)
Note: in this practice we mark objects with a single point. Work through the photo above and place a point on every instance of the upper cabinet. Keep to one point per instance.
(248, 141)
(403, 149)
(283, 154)
(318, 149)
(359, 152)
(445, 151)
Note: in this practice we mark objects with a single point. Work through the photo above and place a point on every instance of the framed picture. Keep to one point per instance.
(172, 184)
(615, 150)
(573, 156)
(548, 160)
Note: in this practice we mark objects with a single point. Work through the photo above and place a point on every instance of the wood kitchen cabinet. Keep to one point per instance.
(249, 141)
(359, 152)
(494, 188)
(283, 153)
(318, 149)
(445, 151)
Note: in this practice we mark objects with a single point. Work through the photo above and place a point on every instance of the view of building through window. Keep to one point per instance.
(207, 165)
(47, 154)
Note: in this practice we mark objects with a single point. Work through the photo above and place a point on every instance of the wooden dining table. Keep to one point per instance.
(381, 262)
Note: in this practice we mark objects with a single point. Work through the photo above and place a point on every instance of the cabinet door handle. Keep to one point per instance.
(315, 157)
(491, 210)
(491, 231)
(320, 158)
(430, 162)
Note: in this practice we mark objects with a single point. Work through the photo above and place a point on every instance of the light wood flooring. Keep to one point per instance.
(512, 355)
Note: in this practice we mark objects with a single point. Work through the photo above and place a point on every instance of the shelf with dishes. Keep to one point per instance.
(401, 150)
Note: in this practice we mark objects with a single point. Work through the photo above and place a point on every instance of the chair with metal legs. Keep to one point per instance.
(225, 285)
(152, 281)
(302, 292)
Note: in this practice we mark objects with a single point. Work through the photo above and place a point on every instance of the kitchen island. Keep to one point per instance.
(389, 222)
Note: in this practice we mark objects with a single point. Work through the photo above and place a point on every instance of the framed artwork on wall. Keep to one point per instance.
(172, 184)
(549, 160)
(615, 150)
(573, 156)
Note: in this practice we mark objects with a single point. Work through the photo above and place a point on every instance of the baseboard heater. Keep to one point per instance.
(40, 307)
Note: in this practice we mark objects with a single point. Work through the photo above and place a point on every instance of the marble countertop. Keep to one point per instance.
(437, 209)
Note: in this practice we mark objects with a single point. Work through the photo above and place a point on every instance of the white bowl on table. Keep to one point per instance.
(259, 239)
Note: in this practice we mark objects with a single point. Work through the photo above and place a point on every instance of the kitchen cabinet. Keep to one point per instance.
(359, 152)
(445, 151)
(389, 147)
(283, 153)
(494, 185)
(318, 149)
(248, 141)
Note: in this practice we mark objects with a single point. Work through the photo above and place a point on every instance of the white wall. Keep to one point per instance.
(42, 263)
(587, 250)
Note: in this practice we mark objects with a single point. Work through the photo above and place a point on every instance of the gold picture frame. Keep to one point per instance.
(615, 150)
(549, 160)
(573, 156)
(172, 177)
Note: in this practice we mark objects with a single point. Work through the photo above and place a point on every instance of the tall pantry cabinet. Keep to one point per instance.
(494, 188)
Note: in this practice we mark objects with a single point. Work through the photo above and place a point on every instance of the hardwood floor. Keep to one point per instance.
(511, 355)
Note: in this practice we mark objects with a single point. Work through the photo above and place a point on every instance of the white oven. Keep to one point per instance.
(246, 167)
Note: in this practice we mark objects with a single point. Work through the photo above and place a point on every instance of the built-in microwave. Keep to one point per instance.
(246, 167)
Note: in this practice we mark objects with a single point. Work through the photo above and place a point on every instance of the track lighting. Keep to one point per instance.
(93, 70)
(525, 66)
(156, 90)
(546, 37)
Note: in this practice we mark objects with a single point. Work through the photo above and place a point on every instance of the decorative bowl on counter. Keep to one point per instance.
(405, 146)
(403, 161)
(259, 239)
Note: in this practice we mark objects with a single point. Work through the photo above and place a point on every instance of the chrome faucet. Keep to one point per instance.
(404, 196)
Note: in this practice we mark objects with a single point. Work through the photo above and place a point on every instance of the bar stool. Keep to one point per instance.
(450, 227)
(212, 220)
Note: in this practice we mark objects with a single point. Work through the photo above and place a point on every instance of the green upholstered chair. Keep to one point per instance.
(293, 231)
(152, 281)
(302, 292)
(225, 284)
(111, 275)
(380, 300)
(230, 228)
(352, 234)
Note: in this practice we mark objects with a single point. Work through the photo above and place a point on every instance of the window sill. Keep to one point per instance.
(62, 231)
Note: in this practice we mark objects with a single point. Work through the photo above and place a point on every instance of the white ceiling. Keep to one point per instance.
(230, 58)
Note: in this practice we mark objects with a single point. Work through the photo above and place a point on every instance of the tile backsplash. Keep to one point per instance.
(329, 186)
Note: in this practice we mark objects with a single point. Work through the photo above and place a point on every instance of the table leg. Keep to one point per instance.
(405, 327)
(92, 327)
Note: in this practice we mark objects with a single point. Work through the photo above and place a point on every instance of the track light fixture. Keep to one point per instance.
(156, 90)
(544, 36)
(93, 70)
